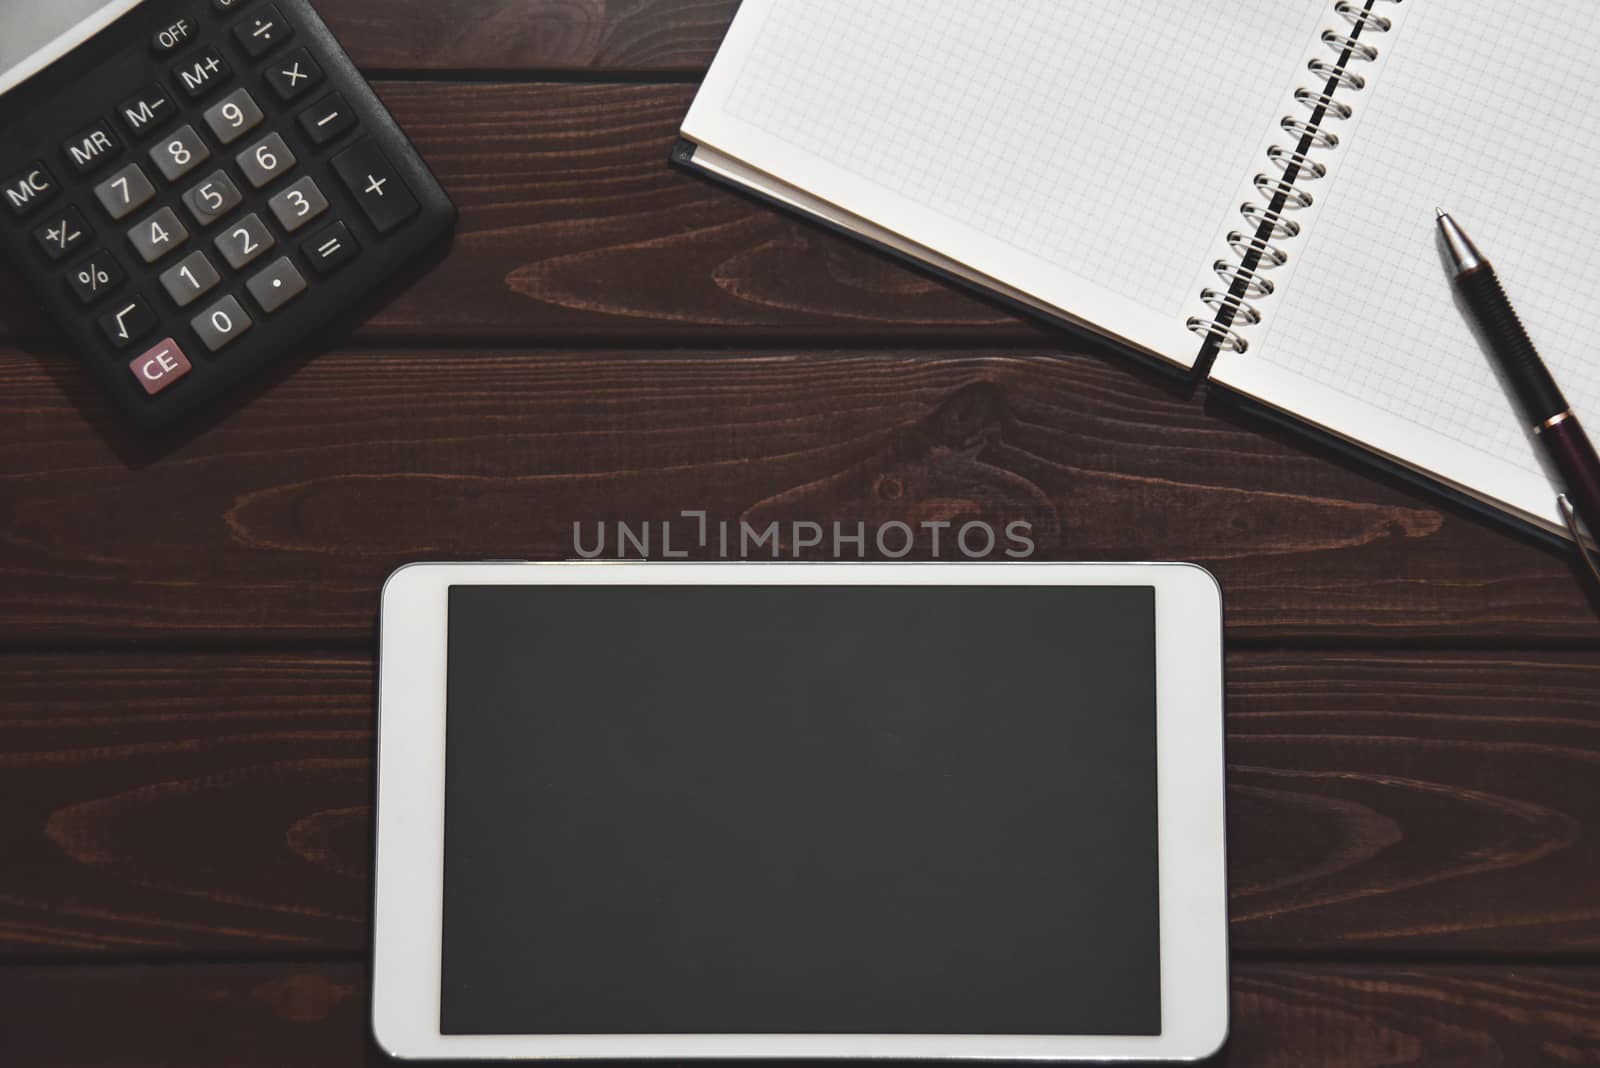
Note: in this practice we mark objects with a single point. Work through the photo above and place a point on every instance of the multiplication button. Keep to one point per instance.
(376, 185)
(296, 73)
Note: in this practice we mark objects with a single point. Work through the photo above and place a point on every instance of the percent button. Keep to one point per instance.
(96, 277)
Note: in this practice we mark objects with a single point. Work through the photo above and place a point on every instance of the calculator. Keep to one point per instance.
(194, 189)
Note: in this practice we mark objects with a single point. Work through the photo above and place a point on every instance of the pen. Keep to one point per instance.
(1546, 409)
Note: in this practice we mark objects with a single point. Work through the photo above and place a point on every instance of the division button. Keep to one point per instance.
(330, 248)
(27, 190)
(95, 278)
(260, 33)
(221, 324)
(127, 321)
(277, 285)
(62, 233)
(160, 367)
(376, 185)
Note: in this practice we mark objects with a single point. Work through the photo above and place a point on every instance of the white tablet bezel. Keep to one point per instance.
(410, 836)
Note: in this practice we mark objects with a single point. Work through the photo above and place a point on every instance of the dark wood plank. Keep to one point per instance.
(282, 521)
(574, 228)
(1420, 803)
(310, 1015)
(663, 37)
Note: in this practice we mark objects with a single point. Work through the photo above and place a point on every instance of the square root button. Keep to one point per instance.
(160, 367)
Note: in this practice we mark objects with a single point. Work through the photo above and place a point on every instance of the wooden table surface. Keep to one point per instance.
(187, 633)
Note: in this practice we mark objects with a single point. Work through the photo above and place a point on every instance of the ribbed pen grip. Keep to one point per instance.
(1528, 376)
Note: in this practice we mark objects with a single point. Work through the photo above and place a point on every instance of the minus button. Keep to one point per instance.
(327, 119)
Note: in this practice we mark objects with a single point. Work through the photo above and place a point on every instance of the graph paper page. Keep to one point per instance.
(1080, 152)
(1479, 109)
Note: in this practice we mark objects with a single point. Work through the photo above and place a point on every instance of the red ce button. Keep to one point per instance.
(160, 367)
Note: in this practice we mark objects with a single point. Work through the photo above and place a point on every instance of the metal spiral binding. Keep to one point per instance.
(1282, 189)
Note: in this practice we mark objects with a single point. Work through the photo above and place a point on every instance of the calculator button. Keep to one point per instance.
(245, 241)
(62, 232)
(368, 174)
(277, 285)
(173, 37)
(330, 248)
(263, 31)
(179, 153)
(190, 280)
(327, 119)
(265, 160)
(28, 190)
(158, 235)
(138, 113)
(128, 321)
(212, 198)
(201, 75)
(125, 192)
(221, 324)
(298, 204)
(233, 116)
(91, 148)
(160, 367)
(228, 5)
(95, 277)
(294, 74)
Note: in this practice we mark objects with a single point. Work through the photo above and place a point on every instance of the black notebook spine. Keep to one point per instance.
(1268, 222)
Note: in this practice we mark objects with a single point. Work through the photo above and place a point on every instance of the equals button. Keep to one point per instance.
(327, 119)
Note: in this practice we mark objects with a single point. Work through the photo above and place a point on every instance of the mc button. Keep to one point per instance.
(28, 191)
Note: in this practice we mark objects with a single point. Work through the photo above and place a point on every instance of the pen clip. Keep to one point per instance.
(1570, 514)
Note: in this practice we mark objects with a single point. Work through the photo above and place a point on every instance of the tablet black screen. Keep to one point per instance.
(824, 810)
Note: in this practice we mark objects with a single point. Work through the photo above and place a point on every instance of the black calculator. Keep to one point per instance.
(196, 188)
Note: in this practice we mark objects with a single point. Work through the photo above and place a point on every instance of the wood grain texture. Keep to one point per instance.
(282, 521)
(1426, 803)
(575, 229)
(631, 37)
(1283, 1016)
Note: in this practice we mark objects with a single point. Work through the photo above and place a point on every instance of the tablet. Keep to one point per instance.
(651, 810)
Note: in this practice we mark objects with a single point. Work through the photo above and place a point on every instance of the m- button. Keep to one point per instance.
(160, 367)
(376, 185)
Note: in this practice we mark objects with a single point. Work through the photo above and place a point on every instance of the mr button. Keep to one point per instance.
(160, 367)
(368, 174)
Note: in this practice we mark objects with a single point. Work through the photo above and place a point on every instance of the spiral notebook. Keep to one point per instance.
(1245, 190)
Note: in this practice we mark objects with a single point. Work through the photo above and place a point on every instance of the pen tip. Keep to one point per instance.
(1440, 213)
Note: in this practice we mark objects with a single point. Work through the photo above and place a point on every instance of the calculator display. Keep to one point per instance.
(32, 35)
